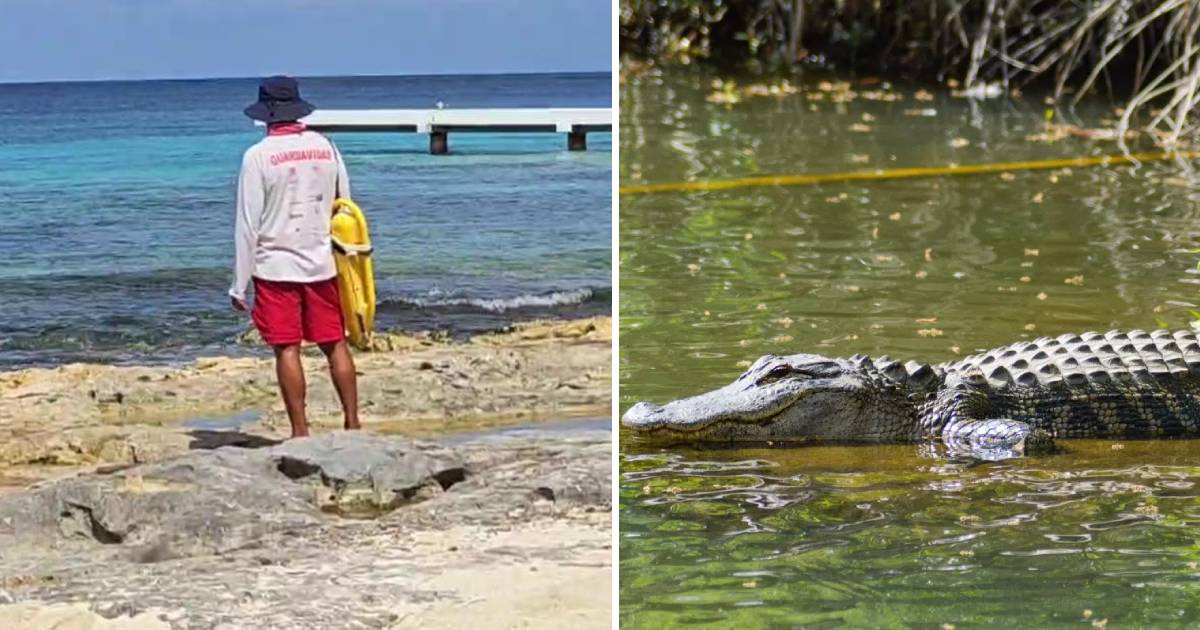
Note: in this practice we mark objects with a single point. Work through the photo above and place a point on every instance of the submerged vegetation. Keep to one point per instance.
(1142, 54)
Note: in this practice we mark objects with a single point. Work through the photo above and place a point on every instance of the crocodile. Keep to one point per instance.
(1011, 401)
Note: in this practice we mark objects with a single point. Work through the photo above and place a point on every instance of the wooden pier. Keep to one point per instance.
(576, 123)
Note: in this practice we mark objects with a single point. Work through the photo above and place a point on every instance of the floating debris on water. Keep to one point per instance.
(980, 91)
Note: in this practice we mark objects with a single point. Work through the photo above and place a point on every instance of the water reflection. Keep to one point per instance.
(833, 533)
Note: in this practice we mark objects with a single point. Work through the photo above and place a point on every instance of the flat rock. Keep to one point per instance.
(214, 501)
(365, 471)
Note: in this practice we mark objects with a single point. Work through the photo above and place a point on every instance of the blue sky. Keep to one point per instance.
(45, 40)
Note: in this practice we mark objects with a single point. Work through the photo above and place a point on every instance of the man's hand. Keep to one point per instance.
(238, 305)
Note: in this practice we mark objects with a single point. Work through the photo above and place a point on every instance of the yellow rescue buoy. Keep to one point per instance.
(355, 274)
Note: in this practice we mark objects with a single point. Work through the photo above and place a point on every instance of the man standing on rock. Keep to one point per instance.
(285, 195)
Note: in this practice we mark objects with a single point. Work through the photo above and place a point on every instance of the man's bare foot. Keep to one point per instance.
(352, 425)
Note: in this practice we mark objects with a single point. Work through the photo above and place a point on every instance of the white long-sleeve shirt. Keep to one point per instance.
(284, 204)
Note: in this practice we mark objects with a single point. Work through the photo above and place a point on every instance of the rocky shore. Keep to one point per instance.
(85, 415)
(165, 497)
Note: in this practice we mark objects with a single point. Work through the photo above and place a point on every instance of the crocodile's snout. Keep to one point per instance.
(801, 395)
(644, 415)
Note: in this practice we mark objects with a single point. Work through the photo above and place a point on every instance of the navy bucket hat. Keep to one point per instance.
(279, 101)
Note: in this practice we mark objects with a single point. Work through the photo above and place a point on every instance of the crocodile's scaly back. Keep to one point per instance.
(1091, 359)
(1095, 385)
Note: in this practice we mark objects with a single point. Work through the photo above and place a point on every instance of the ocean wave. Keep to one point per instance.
(499, 305)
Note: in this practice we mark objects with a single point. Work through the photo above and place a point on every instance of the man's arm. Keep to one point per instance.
(250, 200)
(343, 178)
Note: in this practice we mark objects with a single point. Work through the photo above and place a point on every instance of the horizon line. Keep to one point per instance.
(305, 76)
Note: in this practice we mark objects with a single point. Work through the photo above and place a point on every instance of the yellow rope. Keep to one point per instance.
(901, 173)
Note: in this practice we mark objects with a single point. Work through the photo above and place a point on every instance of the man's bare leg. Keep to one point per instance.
(341, 369)
(290, 372)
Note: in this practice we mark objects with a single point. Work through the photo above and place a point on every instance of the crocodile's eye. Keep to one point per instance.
(776, 373)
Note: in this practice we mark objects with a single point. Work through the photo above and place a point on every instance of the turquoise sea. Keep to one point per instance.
(116, 233)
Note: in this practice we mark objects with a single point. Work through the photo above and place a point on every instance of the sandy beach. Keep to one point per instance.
(165, 497)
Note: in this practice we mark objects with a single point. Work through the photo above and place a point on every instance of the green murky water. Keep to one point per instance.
(918, 268)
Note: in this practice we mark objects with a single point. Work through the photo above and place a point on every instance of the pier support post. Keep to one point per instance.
(577, 140)
(438, 142)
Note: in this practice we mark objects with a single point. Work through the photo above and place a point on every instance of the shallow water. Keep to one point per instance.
(565, 427)
(927, 269)
(117, 229)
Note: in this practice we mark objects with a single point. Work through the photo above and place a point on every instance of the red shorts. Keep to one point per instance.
(286, 312)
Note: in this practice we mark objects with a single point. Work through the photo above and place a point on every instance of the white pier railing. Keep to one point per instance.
(438, 123)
